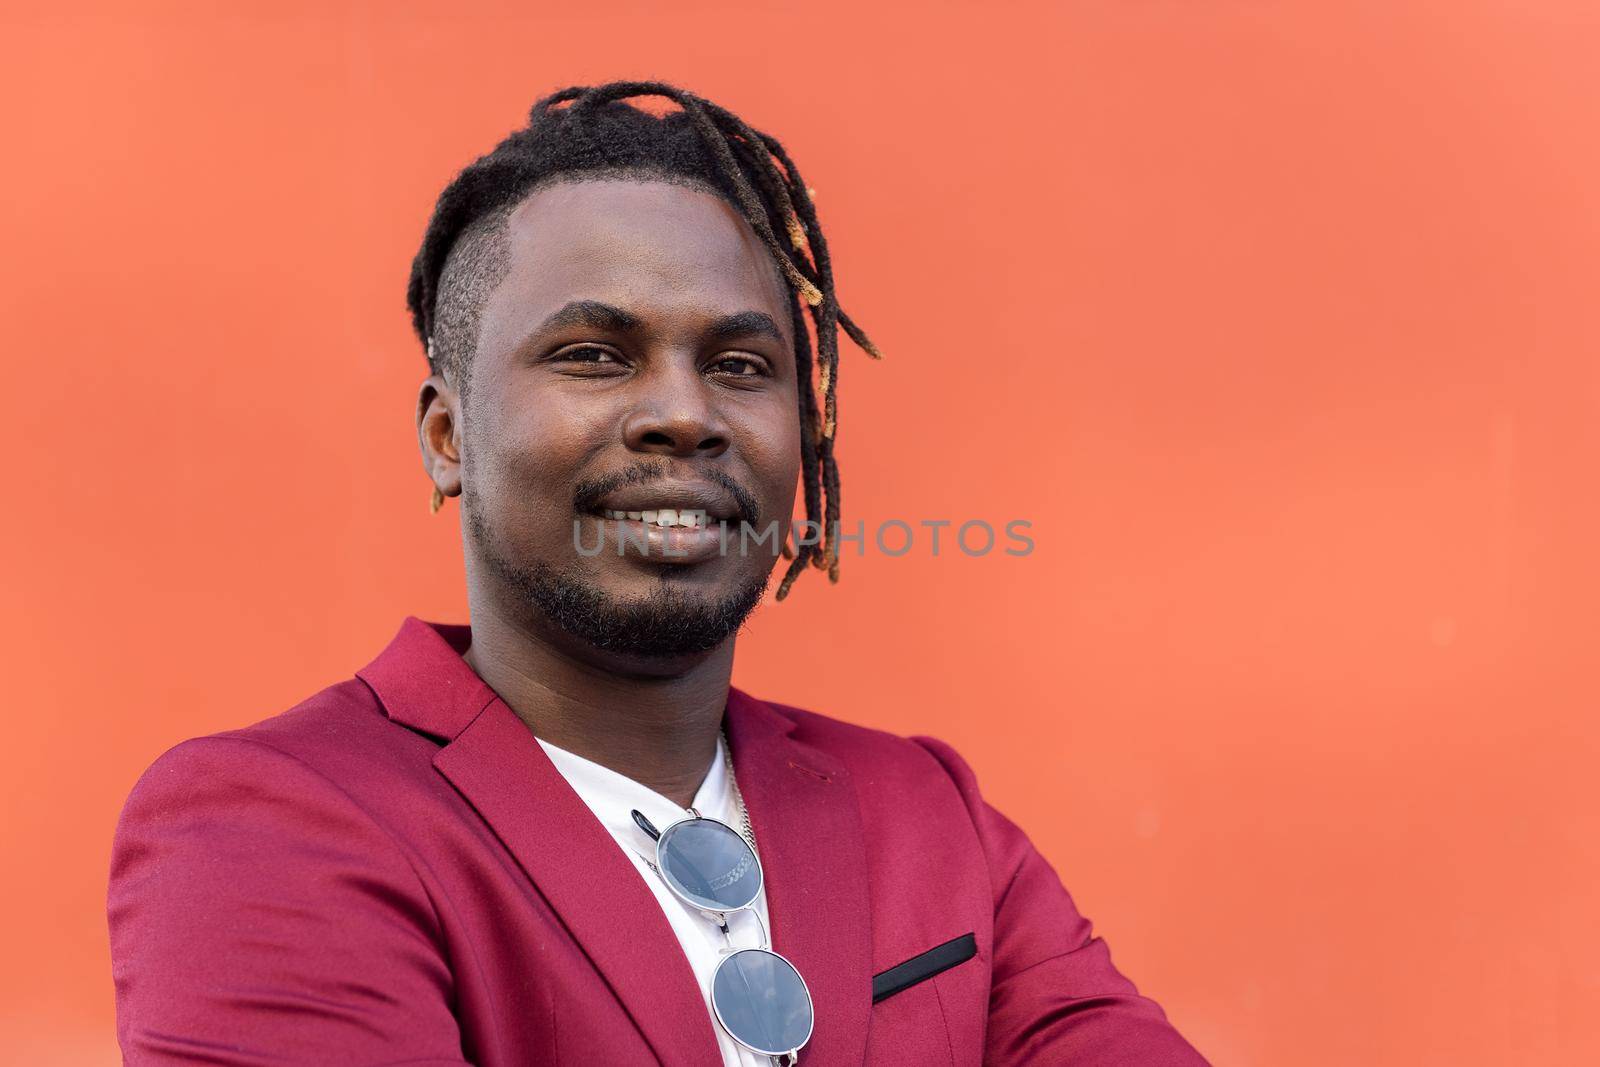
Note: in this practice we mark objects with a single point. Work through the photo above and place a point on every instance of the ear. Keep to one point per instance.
(439, 433)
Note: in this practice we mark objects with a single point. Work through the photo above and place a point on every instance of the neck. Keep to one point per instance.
(658, 728)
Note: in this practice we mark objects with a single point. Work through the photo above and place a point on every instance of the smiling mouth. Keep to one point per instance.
(674, 536)
(690, 518)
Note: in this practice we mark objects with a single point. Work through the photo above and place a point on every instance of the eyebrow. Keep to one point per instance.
(590, 313)
(744, 324)
(598, 315)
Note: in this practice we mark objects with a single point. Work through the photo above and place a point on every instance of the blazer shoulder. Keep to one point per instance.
(339, 734)
(881, 755)
(232, 852)
(305, 775)
(342, 713)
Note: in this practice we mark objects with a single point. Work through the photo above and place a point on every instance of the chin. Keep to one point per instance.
(652, 613)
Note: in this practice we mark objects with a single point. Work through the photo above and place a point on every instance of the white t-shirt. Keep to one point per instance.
(611, 796)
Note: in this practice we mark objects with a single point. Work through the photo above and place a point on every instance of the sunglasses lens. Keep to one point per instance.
(710, 864)
(761, 1001)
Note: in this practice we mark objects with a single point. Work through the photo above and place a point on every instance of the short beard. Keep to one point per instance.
(668, 623)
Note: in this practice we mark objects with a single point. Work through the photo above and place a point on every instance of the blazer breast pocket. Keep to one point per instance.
(922, 966)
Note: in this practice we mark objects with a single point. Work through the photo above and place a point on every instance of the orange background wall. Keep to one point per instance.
(1277, 320)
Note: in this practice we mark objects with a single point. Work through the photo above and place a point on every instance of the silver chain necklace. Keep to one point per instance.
(747, 832)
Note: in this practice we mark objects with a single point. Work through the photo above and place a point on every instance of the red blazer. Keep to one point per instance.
(393, 872)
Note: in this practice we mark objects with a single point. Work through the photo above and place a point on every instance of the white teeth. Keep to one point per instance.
(663, 517)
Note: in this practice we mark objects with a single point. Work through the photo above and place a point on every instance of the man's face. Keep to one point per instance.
(637, 357)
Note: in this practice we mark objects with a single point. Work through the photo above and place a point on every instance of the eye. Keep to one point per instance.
(588, 355)
(739, 366)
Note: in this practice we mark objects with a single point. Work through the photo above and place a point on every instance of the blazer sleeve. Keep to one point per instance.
(1055, 996)
(258, 915)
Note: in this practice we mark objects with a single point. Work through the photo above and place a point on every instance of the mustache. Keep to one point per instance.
(591, 491)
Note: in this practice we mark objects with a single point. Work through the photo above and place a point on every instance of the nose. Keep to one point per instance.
(675, 415)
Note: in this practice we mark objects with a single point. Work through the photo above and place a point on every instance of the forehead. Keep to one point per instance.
(667, 253)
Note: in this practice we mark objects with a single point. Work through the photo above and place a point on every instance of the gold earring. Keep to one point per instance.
(436, 502)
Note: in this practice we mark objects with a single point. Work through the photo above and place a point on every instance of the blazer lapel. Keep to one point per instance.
(802, 807)
(493, 760)
(807, 825)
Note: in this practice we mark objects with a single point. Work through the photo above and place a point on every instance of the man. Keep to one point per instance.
(558, 835)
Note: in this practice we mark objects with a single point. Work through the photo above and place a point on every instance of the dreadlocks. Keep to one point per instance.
(590, 132)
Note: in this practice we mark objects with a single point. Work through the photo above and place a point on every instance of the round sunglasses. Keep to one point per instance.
(758, 997)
